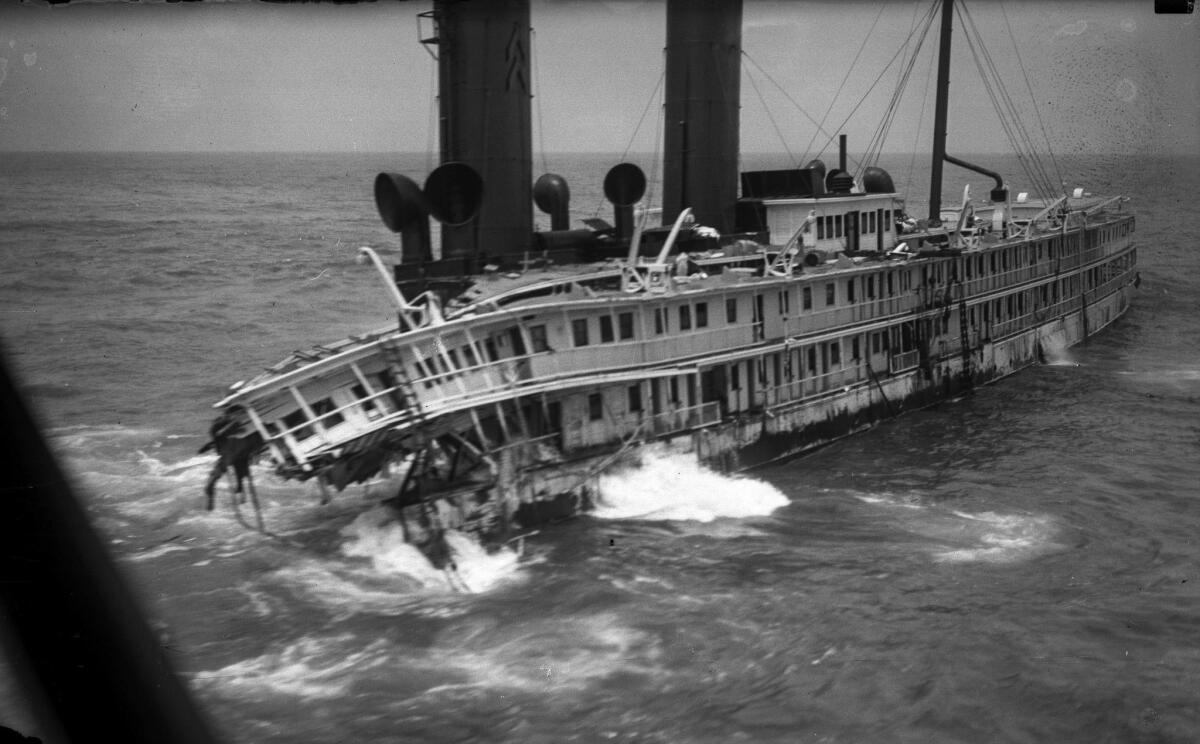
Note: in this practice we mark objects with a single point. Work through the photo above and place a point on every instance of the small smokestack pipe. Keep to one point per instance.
(842, 152)
(553, 196)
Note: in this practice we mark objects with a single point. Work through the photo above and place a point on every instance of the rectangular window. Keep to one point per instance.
(635, 398)
(812, 360)
(369, 407)
(625, 326)
(674, 390)
(537, 337)
(806, 298)
(606, 329)
(468, 353)
(323, 409)
(850, 290)
(489, 346)
(830, 293)
(837, 226)
(854, 349)
(731, 310)
(660, 320)
(579, 329)
(702, 315)
(685, 317)
(887, 219)
(735, 376)
(820, 229)
(835, 353)
(596, 406)
(871, 287)
(294, 419)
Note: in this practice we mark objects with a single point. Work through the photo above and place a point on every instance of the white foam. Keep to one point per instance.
(889, 499)
(377, 535)
(1000, 538)
(673, 486)
(311, 668)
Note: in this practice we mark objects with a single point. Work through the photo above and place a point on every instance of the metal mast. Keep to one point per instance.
(939, 114)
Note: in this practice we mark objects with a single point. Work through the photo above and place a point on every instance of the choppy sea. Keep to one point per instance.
(1019, 565)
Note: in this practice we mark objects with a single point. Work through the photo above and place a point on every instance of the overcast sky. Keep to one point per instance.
(1107, 76)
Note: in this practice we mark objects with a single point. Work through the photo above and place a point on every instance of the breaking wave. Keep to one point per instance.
(378, 536)
(309, 668)
(673, 486)
(967, 537)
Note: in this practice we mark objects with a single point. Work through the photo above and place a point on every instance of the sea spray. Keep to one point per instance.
(674, 486)
(377, 534)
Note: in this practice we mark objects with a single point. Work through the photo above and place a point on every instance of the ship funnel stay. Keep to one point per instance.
(624, 186)
(553, 197)
(405, 210)
(703, 84)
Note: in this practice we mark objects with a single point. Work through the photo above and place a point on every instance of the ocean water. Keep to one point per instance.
(1016, 565)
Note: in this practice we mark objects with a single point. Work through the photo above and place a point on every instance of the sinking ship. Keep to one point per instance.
(760, 315)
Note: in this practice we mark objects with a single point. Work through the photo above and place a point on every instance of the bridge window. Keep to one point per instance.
(364, 399)
(596, 406)
(785, 303)
(735, 376)
(324, 410)
(821, 228)
(294, 419)
(837, 226)
(835, 353)
(606, 329)
(830, 293)
(625, 326)
(702, 315)
(537, 337)
(579, 329)
(731, 310)
(685, 317)
(806, 298)
(635, 398)
(660, 320)
(850, 290)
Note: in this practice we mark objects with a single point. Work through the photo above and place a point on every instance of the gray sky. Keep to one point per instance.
(1107, 76)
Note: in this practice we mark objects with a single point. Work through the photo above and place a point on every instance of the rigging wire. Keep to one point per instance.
(1032, 99)
(868, 92)
(783, 90)
(1018, 136)
(433, 114)
(875, 145)
(771, 118)
(537, 82)
(642, 118)
(850, 69)
(912, 160)
(1044, 183)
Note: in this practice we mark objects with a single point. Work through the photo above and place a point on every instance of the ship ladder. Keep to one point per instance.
(403, 383)
(964, 339)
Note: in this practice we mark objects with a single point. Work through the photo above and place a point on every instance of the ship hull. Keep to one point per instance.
(527, 495)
